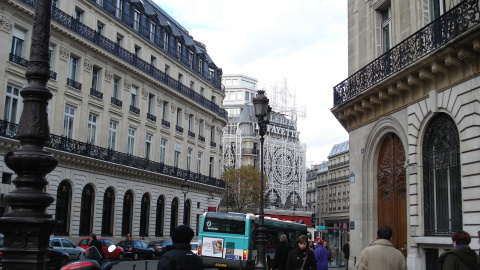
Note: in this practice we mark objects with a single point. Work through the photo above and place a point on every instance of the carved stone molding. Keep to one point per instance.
(174, 108)
(208, 126)
(197, 120)
(219, 130)
(159, 101)
(88, 65)
(127, 84)
(64, 53)
(6, 23)
(108, 75)
(144, 94)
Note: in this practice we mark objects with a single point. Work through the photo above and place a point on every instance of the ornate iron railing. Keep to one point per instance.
(74, 84)
(426, 40)
(191, 134)
(340, 164)
(179, 128)
(213, 144)
(24, 63)
(96, 93)
(116, 102)
(201, 138)
(151, 117)
(134, 109)
(100, 40)
(338, 179)
(165, 123)
(9, 130)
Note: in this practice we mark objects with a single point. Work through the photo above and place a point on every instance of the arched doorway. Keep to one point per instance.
(127, 213)
(108, 210)
(144, 215)
(186, 213)
(86, 210)
(392, 190)
(63, 206)
(174, 215)
(160, 216)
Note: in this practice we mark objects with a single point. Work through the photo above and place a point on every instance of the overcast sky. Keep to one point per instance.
(302, 41)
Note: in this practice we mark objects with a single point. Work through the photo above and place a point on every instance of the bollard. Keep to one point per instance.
(355, 261)
(134, 265)
(146, 265)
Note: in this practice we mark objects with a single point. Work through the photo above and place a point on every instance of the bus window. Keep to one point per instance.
(218, 225)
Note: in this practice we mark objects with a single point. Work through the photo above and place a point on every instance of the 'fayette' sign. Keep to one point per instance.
(284, 127)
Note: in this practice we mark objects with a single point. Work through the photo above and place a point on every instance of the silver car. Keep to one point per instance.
(62, 244)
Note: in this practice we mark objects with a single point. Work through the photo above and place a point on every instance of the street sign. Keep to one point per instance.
(320, 227)
(352, 225)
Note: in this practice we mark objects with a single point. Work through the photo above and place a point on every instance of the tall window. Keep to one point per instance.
(144, 214)
(100, 2)
(191, 122)
(148, 145)
(200, 66)
(190, 59)
(18, 41)
(78, 14)
(11, 104)
(166, 41)
(86, 210)
(72, 73)
(386, 29)
(437, 8)
(118, 8)
(119, 40)
(442, 177)
(108, 211)
(176, 156)
(130, 140)
(92, 128)
(115, 89)
(100, 27)
(189, 158)
(133, 96)
(68, 121)
(63, 209)
(160, 219)
(202, 91)
(163, 148)
(179, 117)
(201, 127)
(199, 162)
(153, 28)
(136, 20)
(210, 167)
(212, 134)
(179, 50)
(127, 213)
(95, 78)
(112, 135)
(55, 3)
(151, 103)
(165, 111)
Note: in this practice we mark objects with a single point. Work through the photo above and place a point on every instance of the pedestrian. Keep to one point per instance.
(330, 255)
(321, 256)
(281, 254)
(179, 254)
(301, 257)
(381, 254)
(311, 246)
(128, 237)
(462, 257)
(346, 252)
(95, 243)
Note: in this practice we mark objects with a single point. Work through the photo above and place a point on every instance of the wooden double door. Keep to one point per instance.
(392, 190)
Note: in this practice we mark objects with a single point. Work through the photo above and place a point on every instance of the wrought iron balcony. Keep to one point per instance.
(201, 138)
(213, 144)
(165, 123)
(134, 109)
(191, 134)
(116, 102)
(24, 63)
(179, 128)
(9, 130)
(151, 117)
(74, 84)
(425, 41)
(340, 164)
(96, 93)
(93, 36)
(338, 179)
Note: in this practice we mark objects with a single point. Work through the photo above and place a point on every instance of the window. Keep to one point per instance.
(11, 104)
(191, 123)
(95, 78)
(189, 158)
(6, 178)
(148, 145)
(165, 110)
(136, 50)
(136, 20)
(118, 8)
(210, 167)
(200, 66)
(151, 103)
(179, 50)
(153, 28)
(180, 78)
(100, 2)
(18, 41)
(72, 74)
(119, 40)
(179, 117)
(247, 96)
(133, 96)
(190, 59)
(199, 163)
(214, 100)
(78, 14)
(153, 60)
(176, 156)
(55, 3)
(163, 146)
(386, 29)
(68, 121)
(100, 27)
(131, 140)
(116, 89)
(201, 127)
(202, 91)
(192, 85)
(165, 41)
(437, 8)
(112, 135)
(91, 128)
(212, 134)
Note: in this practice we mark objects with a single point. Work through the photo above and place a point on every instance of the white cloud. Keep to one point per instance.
(304, 41)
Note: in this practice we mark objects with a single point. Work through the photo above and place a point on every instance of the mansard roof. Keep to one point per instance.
(339, 149)
(323, 167)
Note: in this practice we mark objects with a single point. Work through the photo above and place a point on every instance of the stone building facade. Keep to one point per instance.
(410, 105)
(134, 116)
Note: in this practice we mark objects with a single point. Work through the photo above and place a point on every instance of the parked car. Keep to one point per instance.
(157, 247)
(194, 247)
(117, 254)
(57, 258)
(137, 249)
(62, 244)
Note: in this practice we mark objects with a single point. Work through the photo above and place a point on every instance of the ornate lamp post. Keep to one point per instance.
(185, 188)
(27, 226)
(262, 112)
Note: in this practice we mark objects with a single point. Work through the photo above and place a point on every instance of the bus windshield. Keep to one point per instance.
(222, 225)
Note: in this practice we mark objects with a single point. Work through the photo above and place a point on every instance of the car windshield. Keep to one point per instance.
(84, 242)
(125, 243)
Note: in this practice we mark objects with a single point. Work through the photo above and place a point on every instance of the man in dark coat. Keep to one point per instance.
(462, 257)
(97, 244)
(346, 252)
(179, 255)
(281, 254)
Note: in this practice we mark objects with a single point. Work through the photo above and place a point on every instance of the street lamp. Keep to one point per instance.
(262, 112)
(27, 226)
(185, 188)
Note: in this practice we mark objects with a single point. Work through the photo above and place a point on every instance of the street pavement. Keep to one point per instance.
(136, 265)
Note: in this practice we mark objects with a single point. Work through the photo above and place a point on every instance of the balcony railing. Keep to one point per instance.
(179, 128)
(96, 93)
(74, 84)
(116, 102)
(213, 144)
(426, 40)
(95, 37)
(134, 109)
(151, 117)
(201, 138)
(24, 63)
(165, 123)
(9, 130)
(338, 179)
(191, 134)
(340, 164)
